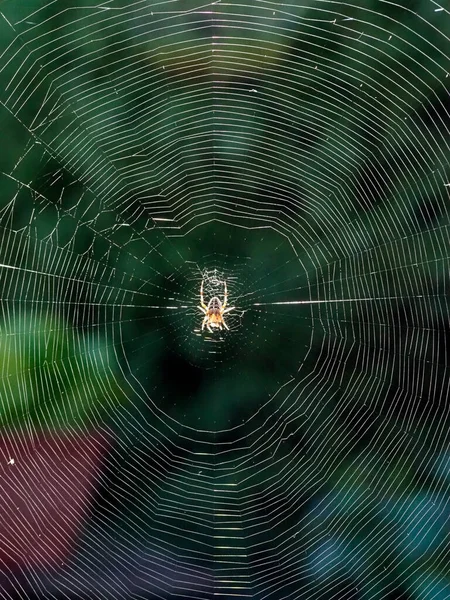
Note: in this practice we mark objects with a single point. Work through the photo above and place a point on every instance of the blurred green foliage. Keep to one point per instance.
(304, 153)
(54, 377)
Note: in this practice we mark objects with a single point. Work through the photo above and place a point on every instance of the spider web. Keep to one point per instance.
(299, 152)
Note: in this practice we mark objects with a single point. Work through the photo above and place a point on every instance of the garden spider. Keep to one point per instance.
(215, 310)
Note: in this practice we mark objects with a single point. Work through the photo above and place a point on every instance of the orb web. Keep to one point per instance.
(297, 152)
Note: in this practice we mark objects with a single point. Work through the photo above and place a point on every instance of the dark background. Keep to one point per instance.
(299, 152)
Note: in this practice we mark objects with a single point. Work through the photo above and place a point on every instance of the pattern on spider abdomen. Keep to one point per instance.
(214, 304)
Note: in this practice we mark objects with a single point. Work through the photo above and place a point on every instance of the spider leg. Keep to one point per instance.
(225, 295)
(205, 320)
(202, 302)
(203, 309)
(228, 309)
(209, 329)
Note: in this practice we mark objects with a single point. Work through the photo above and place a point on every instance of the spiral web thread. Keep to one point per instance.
(299, 152)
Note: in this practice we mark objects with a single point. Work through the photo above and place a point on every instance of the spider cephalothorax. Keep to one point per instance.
(215, 310)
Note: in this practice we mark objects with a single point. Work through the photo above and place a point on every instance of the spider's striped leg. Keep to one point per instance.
(202, 302)
(225, 295)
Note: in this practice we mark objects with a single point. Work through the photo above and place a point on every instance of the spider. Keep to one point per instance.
(215, 310)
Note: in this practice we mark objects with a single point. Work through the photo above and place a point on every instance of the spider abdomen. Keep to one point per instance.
(214, 305)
